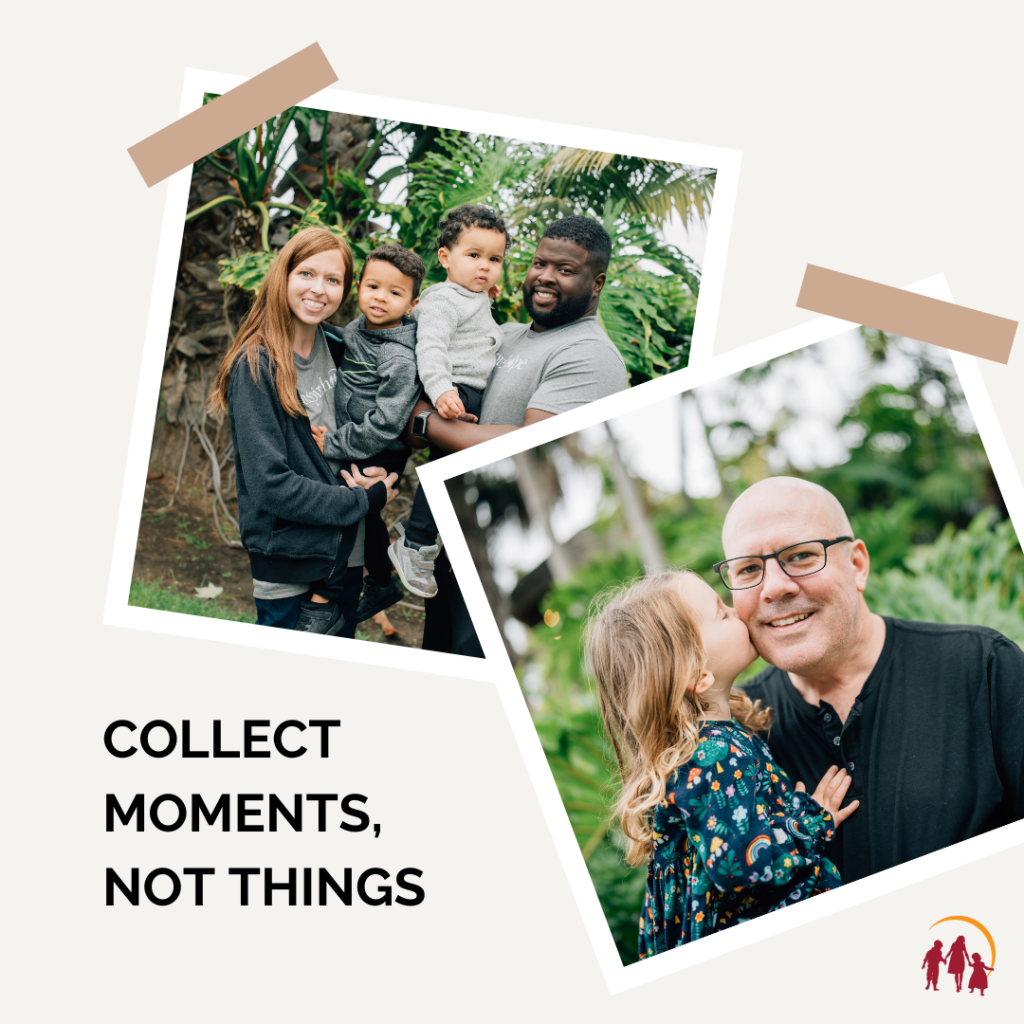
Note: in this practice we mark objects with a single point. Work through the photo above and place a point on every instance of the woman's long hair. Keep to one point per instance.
(644, 650)
(268, 323)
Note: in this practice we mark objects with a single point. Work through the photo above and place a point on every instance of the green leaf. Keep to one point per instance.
(313, 218)
(247, 271)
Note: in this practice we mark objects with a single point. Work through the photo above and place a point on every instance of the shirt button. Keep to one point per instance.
(828, 717)
(850, 763)
(835, 740)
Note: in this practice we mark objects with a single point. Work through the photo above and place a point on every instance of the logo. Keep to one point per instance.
(311, 398)
(513, 363)
(960, 956)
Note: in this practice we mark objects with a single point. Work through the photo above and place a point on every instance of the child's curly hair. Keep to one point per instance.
(465, 217)
(644, 650)
(403, 260)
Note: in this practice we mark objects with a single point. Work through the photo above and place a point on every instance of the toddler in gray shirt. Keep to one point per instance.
(456, 344)
(377, 387)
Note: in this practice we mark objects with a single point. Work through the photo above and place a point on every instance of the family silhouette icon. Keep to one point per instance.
(956, 960)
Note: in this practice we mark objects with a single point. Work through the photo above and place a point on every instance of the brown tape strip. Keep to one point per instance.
(236, 112)
(904, 313)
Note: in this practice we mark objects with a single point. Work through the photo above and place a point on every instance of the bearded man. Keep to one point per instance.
(559, 360)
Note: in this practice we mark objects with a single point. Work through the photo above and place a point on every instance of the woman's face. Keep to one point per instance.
(316, 287)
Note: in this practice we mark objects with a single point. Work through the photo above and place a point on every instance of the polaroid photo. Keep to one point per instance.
(570, 262)
(826, 522)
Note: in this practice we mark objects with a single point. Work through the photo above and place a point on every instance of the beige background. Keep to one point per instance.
(880, 140)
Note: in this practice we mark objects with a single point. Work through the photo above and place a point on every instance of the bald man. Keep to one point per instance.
(928, 719)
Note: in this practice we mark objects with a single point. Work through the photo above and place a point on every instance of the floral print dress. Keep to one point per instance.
(733, 840)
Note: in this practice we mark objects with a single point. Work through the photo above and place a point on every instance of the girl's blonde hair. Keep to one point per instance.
(269, 322)
(643, 647)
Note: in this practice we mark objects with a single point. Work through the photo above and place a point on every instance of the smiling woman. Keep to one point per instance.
(319, 282)
(303, 532)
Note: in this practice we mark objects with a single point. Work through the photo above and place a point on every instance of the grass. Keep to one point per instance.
(152, 595)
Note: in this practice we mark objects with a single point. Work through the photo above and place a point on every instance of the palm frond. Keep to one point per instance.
(653, 188)
(569, 161)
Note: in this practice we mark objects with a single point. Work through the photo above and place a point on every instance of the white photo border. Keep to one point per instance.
(432, 477)
(117, 611)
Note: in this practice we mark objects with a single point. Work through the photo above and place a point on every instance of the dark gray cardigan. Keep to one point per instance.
(297, 524)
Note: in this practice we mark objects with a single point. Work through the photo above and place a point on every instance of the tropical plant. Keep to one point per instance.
(583, 765)
(973, 576)
(343, 192)
(654, 189)
(248, 270)
(246, 167)
(986, 558)
(648, 315)
(650, 298)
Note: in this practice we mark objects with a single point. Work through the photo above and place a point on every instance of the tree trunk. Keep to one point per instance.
(684, 499)
(476, 541)
(646, 538)
(538, 504)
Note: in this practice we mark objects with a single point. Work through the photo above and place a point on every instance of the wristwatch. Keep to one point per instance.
(419, 423)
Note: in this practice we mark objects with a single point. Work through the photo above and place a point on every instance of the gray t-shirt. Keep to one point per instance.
(553, 371)
(317, 375)
(316, 379)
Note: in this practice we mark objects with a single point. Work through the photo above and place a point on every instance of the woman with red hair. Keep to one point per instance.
(300, 514)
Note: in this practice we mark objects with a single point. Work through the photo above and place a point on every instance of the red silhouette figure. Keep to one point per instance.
(957, 959)
(933, 958)
(979, 979)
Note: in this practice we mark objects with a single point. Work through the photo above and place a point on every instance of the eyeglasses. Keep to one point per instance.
(797, 560)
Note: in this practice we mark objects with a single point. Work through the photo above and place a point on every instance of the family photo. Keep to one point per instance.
(768, 631)
(356, 296)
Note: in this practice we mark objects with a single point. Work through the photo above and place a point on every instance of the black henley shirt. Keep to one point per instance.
(934, 743)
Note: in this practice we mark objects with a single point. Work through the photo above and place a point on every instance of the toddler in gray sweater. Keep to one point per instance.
(375, 390)
(456, 343)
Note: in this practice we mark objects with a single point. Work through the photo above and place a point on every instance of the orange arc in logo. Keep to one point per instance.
(981, 928)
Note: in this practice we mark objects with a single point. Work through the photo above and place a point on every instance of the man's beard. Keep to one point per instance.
(564, 311)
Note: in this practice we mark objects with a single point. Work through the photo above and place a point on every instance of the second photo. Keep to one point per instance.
(767, 630)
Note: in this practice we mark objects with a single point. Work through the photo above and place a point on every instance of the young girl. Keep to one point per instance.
(725, 836)
(301, 528)
(979, 979)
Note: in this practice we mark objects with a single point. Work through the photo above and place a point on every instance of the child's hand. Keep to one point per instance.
(831, 792)
(319, 433)
(449, 407)
(494, 291)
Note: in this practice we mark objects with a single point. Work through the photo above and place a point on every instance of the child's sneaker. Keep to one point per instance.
(415, 566)
(376, 598)
(320, 618)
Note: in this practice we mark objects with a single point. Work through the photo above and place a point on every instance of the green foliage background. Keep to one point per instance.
(649, 301)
